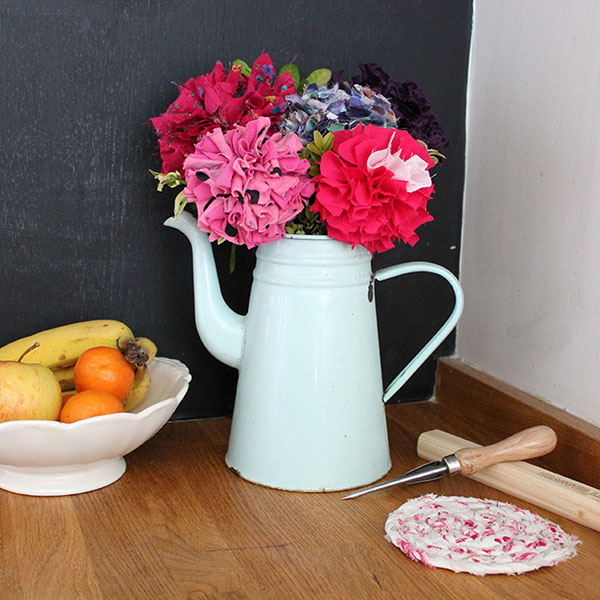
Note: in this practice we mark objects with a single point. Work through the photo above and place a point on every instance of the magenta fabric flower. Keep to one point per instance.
(373, 187)
(219, 99)
(246, 183)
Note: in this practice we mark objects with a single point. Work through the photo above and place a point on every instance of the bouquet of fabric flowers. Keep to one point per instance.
(263, 153)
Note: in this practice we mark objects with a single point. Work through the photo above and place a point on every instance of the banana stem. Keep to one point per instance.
(135, 355)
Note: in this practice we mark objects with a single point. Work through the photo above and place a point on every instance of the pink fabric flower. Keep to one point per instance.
(373, 187)
(247, 184)
(219, 99)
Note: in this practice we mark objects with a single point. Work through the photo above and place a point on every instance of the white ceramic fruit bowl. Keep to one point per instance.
(47, 458)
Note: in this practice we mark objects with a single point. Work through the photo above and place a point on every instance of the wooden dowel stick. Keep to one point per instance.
(559, 494)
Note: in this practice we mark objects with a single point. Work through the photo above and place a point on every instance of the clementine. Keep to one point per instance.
(89, 403)
(66, 396)
(106, 369)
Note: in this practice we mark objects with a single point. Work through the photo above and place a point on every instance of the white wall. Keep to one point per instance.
(531, 235)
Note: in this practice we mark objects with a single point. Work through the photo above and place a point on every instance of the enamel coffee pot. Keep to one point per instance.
(309, 411)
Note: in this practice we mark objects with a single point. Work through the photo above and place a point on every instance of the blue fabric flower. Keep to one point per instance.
(340, 106)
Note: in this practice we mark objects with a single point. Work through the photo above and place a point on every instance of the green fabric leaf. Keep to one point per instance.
(321, 144)
(306, 223)
(232, 258)
(434, 155)
(319, 76)
(318, 139)
(293, 70)
(172, 179)
(246, 70)
(180, 202)
(314, 170)
(327, 142)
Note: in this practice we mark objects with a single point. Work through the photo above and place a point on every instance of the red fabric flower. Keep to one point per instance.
(219, 99)
(373, 187)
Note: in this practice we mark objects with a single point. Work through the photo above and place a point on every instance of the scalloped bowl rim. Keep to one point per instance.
(39, 444)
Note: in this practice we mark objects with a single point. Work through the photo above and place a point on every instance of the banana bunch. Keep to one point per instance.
(60, 347)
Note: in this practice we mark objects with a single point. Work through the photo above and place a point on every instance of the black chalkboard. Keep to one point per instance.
(81, 233)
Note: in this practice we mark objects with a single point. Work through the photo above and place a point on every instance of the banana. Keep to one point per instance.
(65, 376)
(140, 352)
(139, 389)
(63, 345)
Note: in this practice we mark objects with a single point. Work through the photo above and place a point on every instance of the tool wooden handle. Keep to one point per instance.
(529, 443)
(561, 495)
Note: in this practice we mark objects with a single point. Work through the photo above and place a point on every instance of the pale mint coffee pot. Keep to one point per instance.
(309, 411)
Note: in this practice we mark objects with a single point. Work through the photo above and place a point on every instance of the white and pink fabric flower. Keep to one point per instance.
(374, 187)
(246, 183)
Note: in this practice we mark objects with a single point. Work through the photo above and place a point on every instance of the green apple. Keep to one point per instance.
(28, 391)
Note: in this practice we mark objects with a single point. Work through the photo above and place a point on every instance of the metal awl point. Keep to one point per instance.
(430, 471)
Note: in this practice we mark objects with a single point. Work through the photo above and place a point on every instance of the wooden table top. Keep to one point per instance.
(179, 524)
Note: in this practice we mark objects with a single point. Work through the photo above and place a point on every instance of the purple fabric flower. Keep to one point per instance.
(411, 107)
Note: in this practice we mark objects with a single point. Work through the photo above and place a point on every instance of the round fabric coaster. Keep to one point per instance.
(472, 535)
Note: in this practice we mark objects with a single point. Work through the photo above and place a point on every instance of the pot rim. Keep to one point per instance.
(304, 236)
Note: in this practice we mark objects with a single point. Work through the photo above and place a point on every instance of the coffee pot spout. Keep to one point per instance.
(220, 328)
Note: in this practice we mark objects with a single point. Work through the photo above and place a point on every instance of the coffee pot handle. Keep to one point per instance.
(443, 332)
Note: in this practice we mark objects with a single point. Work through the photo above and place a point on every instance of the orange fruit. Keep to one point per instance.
(106, 369)
(65, 397)
(89, 403)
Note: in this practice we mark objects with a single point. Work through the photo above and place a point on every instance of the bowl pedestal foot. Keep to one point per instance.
(63, 480)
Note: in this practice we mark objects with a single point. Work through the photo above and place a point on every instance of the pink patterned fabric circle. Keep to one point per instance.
(477, 536)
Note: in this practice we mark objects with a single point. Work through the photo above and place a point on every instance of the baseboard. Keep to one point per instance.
(485, 410)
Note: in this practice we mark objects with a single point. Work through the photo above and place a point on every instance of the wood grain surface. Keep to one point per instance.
(179, 524)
